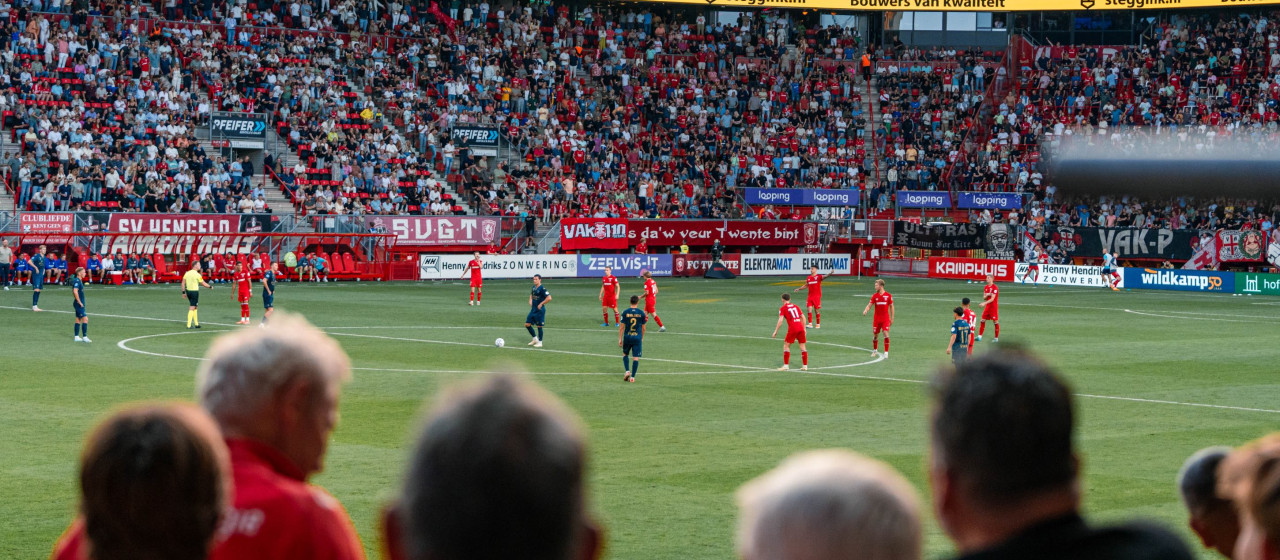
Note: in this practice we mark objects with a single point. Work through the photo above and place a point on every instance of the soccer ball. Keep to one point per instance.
(499, 343)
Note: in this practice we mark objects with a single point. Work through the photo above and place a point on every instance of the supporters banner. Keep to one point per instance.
(437, 230)
(577, 234)
(667, 233)
(1000, 241)
(794, 265)
(592, 266)
(1237, 245)
(924, 199)
(1067, 275)
(802, 197)
(180, 244)
(451, 267)
(47, 222)
(1273, 250)
(1184, 280)
(1259, 284)
(173, 223)
(1126, 243)
(1205, 256)
(697, 264)
(970, 269)
(968, 5)
(994, 201)
(949, 237)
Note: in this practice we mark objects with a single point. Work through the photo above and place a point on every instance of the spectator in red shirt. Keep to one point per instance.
(498, 472)
(275, 395)
(155, 482)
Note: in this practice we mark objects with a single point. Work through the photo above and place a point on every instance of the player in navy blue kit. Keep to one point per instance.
(82, 317)
(38, 265)
(631, 338)
(961, 332)
(539, 297)
(269, 293)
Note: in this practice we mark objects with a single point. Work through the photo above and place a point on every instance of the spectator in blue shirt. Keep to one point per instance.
(94, 267)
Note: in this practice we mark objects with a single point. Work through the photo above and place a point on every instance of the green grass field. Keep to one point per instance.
(1159, 374)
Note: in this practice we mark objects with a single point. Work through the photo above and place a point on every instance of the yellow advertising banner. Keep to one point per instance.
(973, 5)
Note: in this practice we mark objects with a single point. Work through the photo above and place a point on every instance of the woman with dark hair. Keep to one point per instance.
(155, 482)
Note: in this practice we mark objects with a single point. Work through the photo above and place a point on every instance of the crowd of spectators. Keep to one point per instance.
(229, 479)
(1195, 86)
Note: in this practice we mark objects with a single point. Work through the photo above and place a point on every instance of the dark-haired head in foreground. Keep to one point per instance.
(1212, 517)
(496, 473)
(1004, 472)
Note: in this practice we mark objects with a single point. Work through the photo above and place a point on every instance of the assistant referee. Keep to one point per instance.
(191, 282)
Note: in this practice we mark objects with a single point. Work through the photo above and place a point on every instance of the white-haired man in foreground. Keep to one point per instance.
(826, 505)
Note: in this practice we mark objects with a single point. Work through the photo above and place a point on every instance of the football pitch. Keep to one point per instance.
(1158, 375)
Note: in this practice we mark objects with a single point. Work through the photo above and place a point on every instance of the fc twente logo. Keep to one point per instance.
(1086, 4)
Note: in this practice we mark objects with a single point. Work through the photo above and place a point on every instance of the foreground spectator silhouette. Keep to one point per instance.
(274, 393)
(1212, 517)
(1004, 473)
(828, 505)
(497, 472)
(155, 481)
(1250, 476)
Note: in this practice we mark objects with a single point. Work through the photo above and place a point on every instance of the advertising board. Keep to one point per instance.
(970, 269)
(1184, 280)
(451, 267)
(787, 264)
(1068, 275)
(592, 266)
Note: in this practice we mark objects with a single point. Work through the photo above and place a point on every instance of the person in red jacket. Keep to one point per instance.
(274, 394)
(155, 482)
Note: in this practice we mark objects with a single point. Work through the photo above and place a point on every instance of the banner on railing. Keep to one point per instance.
(1001, 241)
(623, 265)
(802, 197)
(47, 222)
(993, 201)
(421, 231)
(1237, 245)
(1126, 243)
(924, 199)
(667, 233)
(949, 237)
(577, 234)
(452, 267)
(1067, 275)
(1184, 280)
(1273, 250)
(482, 140)
(788, 264)
(697, 264)
(970, 269)
(252, 126)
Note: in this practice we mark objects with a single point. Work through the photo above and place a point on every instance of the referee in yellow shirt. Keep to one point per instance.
(191, 282)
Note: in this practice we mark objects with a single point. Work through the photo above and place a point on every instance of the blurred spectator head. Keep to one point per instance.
(829, 504)
(154, 483)
(1250, 477)
(1212, 517)
(279, 386)
(497, 472)
(1002, 457)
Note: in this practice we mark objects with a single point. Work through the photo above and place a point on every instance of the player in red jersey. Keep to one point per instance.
(814, 304)
(244, 291)
(643, 247)
(651, 299)
(609, 295)
(883, 318)
(475, 266)
(969, 317)
(791, 314)
(990, 307)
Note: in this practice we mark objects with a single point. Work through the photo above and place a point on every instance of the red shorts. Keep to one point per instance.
(609, 301)
(650, 306)
(477, 282)
(990, 313)
(880, 325)
(244, 297)
(795, 336)
(814, 302)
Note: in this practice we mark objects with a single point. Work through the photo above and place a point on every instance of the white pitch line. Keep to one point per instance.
(1184, 317)
(1085, 395)
(116, 316)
